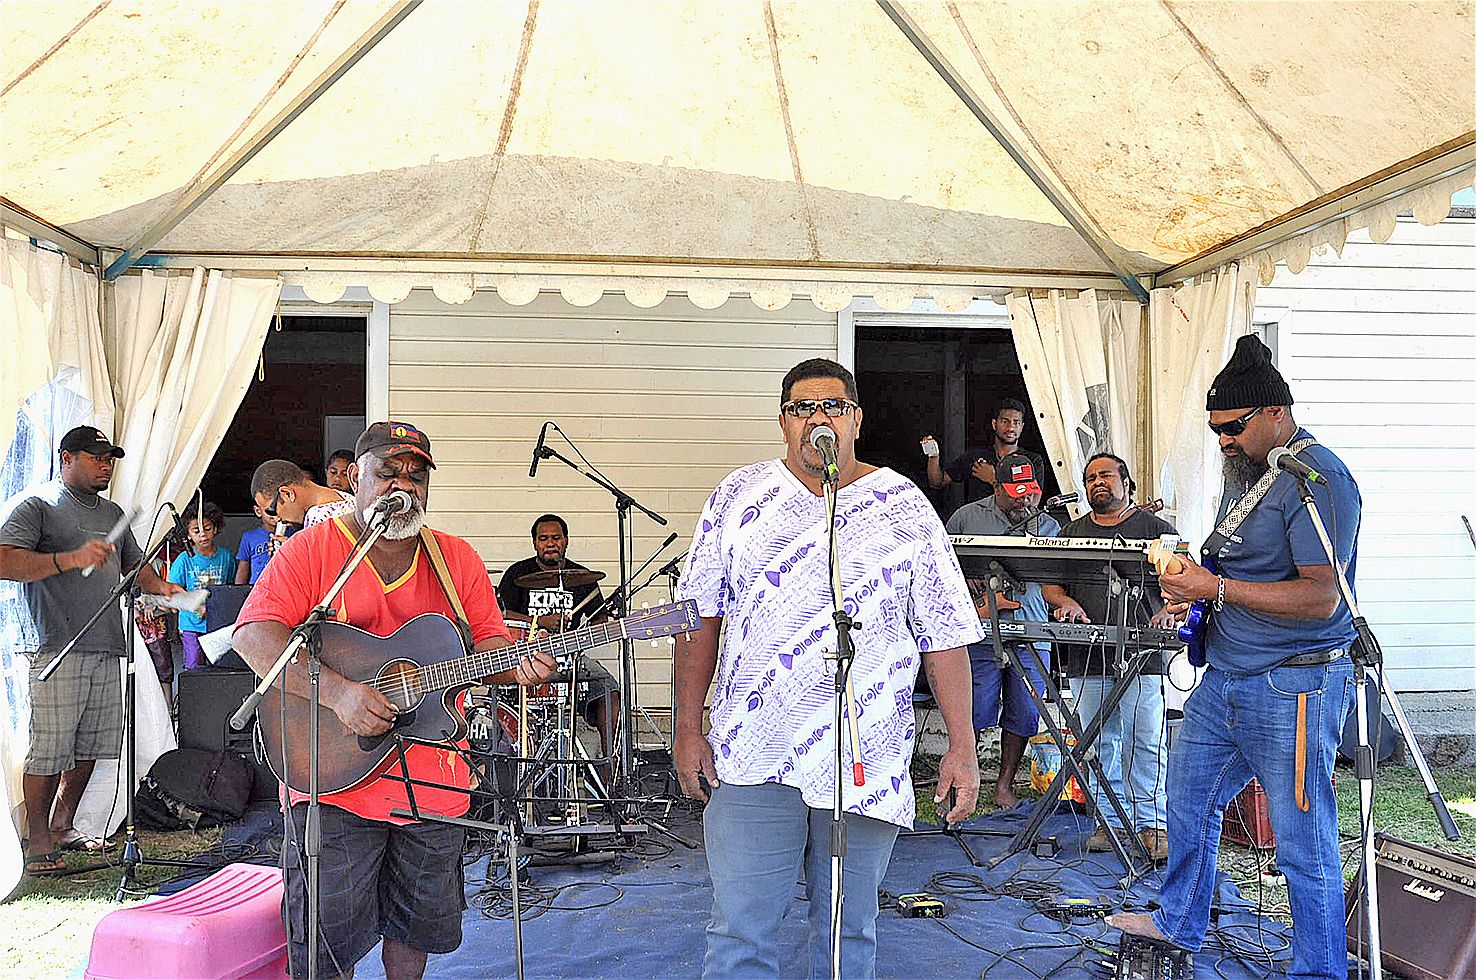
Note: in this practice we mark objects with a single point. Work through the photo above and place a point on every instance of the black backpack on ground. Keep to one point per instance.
(190, 789)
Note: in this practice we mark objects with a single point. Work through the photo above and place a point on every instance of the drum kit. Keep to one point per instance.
(530, 731)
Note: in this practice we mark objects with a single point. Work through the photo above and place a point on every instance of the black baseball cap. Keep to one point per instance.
(386, 439)
(84, 438)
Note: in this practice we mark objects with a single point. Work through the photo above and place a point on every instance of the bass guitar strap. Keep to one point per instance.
(1242, 508)
(443, 574)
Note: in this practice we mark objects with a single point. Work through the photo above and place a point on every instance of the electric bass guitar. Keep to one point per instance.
(422, 668)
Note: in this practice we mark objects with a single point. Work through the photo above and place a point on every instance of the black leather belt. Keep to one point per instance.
(1314, 659)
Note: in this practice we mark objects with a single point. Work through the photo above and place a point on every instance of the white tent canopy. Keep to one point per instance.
(837, 141)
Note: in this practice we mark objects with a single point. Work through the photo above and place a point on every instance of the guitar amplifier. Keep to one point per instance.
(1427, 911)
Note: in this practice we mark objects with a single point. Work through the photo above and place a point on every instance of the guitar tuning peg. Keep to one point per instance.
(655, 643)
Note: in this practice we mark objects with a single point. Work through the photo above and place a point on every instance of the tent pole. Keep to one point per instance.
(194, 196)
(14, 216)
(975, 105)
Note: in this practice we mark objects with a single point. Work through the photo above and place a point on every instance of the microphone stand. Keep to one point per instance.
(623, 503)
(309, 634)
(133, 855)
(1366, 654)
(845, 653)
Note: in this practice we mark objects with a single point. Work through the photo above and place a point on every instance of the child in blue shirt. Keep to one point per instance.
(209, 565)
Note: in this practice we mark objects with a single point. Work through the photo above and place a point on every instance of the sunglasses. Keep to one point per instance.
(1235, 426)
(271, 510)
(805, 407)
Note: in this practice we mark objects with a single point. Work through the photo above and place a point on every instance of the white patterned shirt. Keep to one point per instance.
(326, 512)
(759, 561)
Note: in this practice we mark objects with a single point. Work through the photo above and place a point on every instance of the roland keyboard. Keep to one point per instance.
(1069, 549)
(1086, 634)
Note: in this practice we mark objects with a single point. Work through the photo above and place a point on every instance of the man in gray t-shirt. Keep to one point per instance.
(1000, 695)
(48, 539)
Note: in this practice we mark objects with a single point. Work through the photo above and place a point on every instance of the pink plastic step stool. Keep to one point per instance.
(227, 927)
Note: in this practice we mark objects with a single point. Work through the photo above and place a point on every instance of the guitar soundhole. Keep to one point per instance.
(400, 682)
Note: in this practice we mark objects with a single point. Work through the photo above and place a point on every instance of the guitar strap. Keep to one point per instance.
(438, 562)
(1242, 508)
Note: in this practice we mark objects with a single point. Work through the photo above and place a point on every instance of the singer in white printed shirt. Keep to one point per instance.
(758, 571)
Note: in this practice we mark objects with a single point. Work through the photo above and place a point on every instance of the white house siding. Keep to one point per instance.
(1379, 347)
(664, 401)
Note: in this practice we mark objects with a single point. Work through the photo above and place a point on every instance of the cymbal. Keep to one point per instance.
(568, 578)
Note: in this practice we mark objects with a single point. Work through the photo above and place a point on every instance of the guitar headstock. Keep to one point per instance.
(1163, 555)
(667, 620)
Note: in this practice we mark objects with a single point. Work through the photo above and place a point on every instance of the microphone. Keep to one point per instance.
(393, 503)
(1060, 500)
(822, 437)
(181, 529)
(538, 450)
(1283, 458)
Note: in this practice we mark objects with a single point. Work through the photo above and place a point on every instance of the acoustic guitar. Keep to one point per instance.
(422, 668)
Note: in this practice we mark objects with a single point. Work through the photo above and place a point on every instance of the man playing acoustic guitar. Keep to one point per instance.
(382, 876)
(1272, 703)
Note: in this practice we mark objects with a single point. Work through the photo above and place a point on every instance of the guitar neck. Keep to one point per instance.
(484, 663)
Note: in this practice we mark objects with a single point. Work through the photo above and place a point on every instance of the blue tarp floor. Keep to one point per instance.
(644, 916)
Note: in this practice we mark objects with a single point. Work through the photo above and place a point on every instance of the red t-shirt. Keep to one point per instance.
(305, 568)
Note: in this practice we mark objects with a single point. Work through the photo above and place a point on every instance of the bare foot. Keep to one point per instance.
(1005, 797)
(1137, 923)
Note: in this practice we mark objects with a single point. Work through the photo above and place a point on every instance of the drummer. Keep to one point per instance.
(561, 595)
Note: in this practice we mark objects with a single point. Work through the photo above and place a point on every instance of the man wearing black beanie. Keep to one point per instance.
(1278, 686)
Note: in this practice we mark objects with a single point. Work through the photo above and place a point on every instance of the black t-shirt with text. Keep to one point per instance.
(541, 602)
(1093, 594)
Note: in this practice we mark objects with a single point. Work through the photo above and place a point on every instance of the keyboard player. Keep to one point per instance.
(1000, 697)
(1131, 745)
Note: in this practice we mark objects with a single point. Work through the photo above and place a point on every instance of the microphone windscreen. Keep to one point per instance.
(822, 433)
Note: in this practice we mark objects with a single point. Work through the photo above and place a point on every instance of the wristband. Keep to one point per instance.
(57, 563)
(1220, 595)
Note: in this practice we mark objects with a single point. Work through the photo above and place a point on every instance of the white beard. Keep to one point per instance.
(397, 527)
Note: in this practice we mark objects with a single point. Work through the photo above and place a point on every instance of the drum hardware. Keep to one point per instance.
(559, 578)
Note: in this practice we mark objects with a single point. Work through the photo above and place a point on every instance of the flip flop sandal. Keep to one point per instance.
(75, 840)
(42, 865)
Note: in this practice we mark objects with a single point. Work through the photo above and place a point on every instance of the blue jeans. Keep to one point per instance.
(1131, 747)
(1236, 727)
(758, 838)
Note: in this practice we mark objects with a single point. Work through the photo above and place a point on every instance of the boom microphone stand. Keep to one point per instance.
(133, 855)
(310, 635)
(1367, 655)
(623, 503)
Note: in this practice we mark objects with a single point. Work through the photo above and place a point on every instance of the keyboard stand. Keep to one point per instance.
(1072, 760)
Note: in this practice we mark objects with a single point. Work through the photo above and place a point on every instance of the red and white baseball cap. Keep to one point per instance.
(1016, 474)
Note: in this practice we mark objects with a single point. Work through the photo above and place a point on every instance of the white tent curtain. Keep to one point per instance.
(184, 357)
(1192, 331)
(1081, 359)
(53, 376)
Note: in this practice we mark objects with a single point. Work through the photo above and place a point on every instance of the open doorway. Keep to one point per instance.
(938, 380)
(309, 392)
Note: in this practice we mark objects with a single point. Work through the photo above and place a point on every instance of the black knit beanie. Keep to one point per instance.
(1248, 380)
